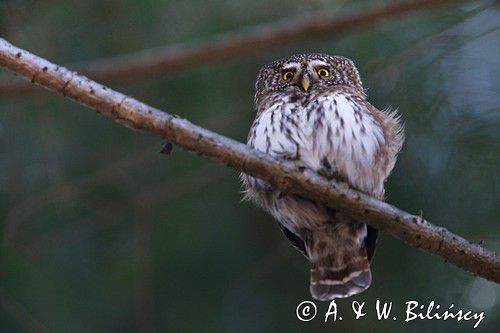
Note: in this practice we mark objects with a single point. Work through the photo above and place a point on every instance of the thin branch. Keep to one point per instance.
(228, 46)
(283, 175)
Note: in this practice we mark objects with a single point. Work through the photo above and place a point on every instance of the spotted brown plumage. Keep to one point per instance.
(312, 109)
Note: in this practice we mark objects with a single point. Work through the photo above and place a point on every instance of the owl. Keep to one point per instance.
(312, 109)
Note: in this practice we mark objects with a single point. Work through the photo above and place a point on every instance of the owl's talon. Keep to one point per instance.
(288, 157)
(327, 170)
(323, 173)
(330, 174)
(301, 167)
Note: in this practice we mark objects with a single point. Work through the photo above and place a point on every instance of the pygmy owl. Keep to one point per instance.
(312, 109)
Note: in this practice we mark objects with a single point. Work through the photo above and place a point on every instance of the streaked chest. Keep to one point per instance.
(328, 129)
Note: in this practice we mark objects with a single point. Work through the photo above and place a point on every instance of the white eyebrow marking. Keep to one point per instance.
(291, 65)
(317, 63)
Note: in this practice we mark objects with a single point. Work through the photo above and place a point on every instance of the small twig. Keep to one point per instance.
(167, 147)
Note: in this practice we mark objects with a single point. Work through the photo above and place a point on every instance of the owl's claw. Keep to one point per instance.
(324, 173)
(300, 166)
(327, 170)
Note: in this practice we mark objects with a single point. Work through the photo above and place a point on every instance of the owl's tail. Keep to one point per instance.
(340, 266)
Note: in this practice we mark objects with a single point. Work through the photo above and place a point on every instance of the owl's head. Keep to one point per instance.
(307, 73)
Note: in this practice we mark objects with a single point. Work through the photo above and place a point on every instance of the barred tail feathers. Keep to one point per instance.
(339, 268)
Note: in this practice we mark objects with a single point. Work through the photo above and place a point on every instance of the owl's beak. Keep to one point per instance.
(305, 83)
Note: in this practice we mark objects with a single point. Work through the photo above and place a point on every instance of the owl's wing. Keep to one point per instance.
(299, 244)
(393, 133)
(370, 241)
(296, 241)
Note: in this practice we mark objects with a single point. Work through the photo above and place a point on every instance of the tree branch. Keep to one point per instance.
(228, 46)
(281, 174)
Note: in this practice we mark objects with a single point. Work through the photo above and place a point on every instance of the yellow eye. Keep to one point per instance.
(323, 72)
(287, 76)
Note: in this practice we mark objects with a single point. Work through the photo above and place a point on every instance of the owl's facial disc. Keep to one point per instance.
(305, 76)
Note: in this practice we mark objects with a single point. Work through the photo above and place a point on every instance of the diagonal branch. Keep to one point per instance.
(228, 46)
(281, 174)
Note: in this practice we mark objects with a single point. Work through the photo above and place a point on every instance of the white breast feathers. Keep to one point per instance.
(330, 133)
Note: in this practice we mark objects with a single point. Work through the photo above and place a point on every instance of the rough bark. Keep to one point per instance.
(284, 175)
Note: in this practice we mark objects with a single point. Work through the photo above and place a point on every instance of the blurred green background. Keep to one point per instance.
(100, 233)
